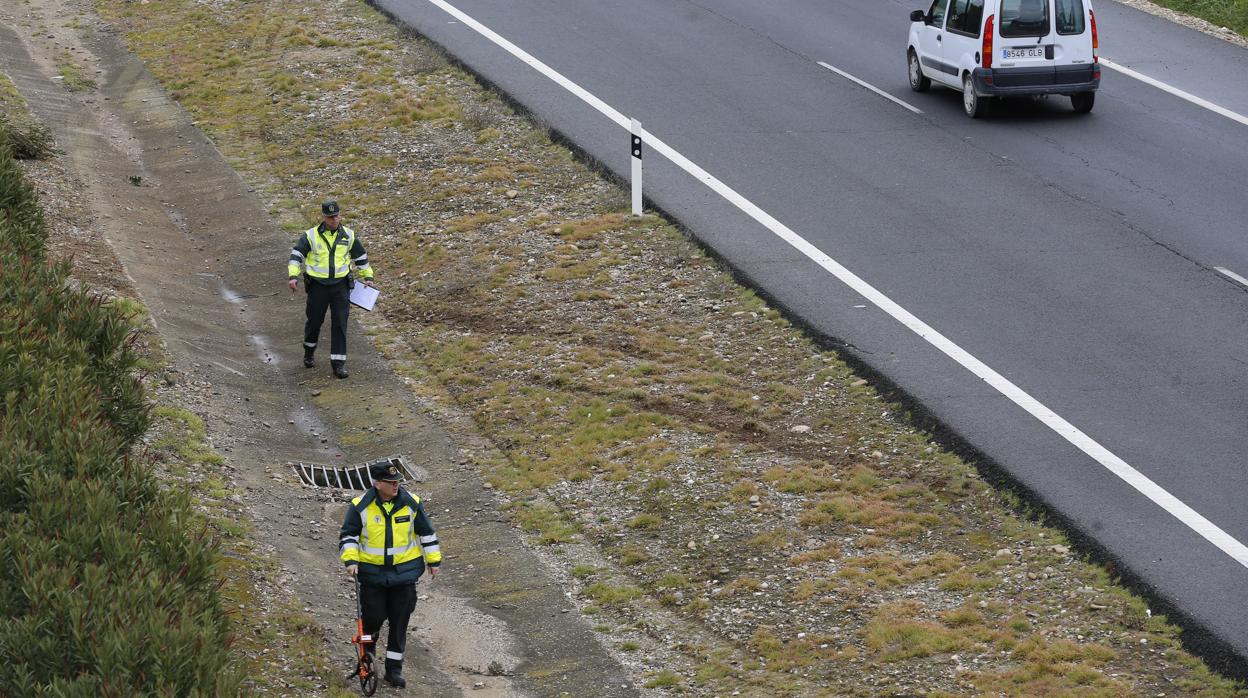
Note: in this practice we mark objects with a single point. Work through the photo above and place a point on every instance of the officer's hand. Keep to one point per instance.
(353, 570)
(369, 283)
(433, 572)
(294, 284)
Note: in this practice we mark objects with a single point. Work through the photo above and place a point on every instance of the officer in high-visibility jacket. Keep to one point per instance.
(388, 541)
(323, 256)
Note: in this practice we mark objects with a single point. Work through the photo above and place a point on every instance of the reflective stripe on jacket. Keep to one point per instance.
(326, 255)
(390, 541)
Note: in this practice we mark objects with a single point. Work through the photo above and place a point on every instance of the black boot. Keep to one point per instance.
(393, 670)
(340, 368)
(307, 357)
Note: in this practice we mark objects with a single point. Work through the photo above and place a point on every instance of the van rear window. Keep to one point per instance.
(1025, 17)
(1069, 16)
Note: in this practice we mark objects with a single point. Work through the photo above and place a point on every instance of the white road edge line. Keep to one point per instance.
(1233, 275)
(1233, 116)
(871, 87)
(1190, 517)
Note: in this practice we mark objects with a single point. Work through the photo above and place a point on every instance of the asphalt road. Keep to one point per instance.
(1074, 255)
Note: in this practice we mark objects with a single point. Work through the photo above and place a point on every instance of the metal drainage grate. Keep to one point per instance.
(353, 477)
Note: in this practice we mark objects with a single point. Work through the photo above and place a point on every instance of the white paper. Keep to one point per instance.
(364, 296)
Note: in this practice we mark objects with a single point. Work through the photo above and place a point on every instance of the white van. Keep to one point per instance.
(1001, 48)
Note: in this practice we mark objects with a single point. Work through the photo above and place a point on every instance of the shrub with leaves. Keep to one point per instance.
(32, 141)
(107, 583)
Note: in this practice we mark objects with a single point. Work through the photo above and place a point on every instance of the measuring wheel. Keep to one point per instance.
(367, 675)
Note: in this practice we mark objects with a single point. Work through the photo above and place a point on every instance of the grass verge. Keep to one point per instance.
(252, 625)
(1232, 14)
(109, 587)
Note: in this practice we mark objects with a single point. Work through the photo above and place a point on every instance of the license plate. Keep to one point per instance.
(1029, 52)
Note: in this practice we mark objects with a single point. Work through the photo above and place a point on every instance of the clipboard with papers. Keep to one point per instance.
(364, 296)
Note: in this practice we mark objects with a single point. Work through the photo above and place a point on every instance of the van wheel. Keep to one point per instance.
(918, 82)
(1083, 101)
(972, 104)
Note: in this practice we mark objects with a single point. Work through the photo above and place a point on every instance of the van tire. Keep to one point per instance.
(974, 105)
(918, 81)
(1083, 101)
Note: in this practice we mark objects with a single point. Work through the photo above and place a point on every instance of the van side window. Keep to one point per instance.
(937, 12)
(1069, 16)
(966, 17)
(1024, 17)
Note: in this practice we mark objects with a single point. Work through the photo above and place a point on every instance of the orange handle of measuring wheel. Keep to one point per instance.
(360, 638)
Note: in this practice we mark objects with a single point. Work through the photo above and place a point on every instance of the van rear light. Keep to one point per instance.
(986, 50)
(1096, 43)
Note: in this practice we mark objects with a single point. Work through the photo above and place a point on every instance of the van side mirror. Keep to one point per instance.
(918, 16)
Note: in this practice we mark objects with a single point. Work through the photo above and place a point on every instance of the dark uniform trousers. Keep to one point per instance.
(393, 604)
(335, 297)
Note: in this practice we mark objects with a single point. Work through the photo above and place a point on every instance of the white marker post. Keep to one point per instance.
(636, 146)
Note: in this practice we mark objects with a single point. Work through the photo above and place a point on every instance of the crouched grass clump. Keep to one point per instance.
(27, 138)
(32, 141)
(108, 586)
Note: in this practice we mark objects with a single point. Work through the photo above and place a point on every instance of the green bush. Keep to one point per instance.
(32, 141)
(107, 581)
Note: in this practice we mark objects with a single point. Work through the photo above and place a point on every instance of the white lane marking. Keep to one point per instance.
(604, 108)
(1154, 492)
(871, 87)
(1233, 116)
(1233, 275)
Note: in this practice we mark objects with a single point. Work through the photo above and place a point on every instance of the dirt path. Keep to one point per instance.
(208, 262)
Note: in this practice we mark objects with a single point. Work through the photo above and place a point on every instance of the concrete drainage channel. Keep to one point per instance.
(353, 477)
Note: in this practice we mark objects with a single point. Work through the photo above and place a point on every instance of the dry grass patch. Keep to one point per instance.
(868, 512)
(73, 74)
(898, 631)
(611, 594)
(645, 521)
(885, 570)
(548, 525)
(782, 656)
(1059, 667)
(827, 551)
(801, 479)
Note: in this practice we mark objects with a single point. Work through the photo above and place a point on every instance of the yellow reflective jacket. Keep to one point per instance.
(326, 255)
(390, 541)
